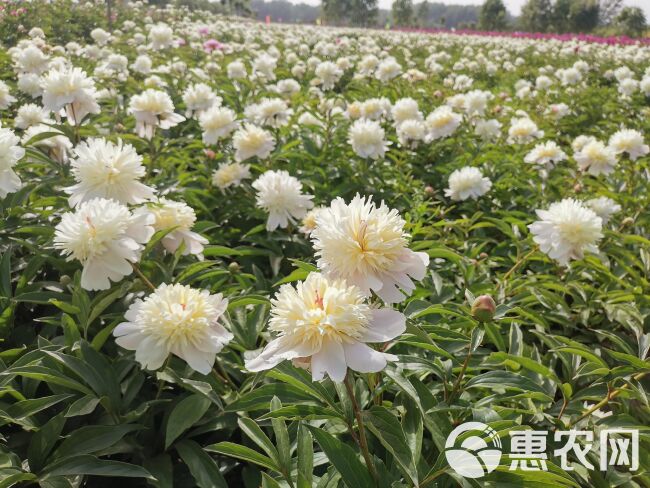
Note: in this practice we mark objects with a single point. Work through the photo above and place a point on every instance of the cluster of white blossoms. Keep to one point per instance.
(10, 154)
(325, 324)
(262, 91)
(153, 109)
(179, 217)
(175, 319)
(70, 91)
(467, 182)
(106, 238)
(280, 195)
(106, 170)
(566, 230)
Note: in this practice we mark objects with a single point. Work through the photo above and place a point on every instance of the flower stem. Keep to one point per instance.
(222, 375)
(362, 440)
(517, 264)
(610, 396)
(141, 275)
(456, 387)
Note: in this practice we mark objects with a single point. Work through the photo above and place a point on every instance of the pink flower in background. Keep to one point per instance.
(204, 31)
(212, 45)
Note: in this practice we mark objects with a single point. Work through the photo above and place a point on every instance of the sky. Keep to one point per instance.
(514, 6)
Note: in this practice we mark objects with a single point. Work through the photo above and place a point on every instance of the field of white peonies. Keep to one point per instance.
(244, 255)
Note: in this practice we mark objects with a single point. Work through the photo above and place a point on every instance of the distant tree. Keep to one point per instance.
(560, 21)
(493, 16)
(609, 9)
(363, 12)
(536, 16)
(423, 13)
(402, 12)
(584, 15)
(631, 21)
(443, 21)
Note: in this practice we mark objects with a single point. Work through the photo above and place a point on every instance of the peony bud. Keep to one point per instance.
(233, 267)
(428, 190)
(484, 308)
(210, 153)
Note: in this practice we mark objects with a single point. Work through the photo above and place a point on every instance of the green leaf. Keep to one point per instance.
(204, 469)
(92, 438)
(305, 453)
(385, 426)
(281, 437)
(91, 465)
(184, 415)
(344, 459)
(505, 380)
(245, 454)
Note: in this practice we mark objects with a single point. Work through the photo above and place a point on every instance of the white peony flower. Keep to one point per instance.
(161, 36)
(31, 60)
(264, 66)
(329, 74)
(230, 175)
(367, 246)
(251, 141)
(581, 141)
(5, 97)
(442, 122)
(30, 84)
(411, 132)
(31, 114)
(142, 64)
(405, 109)
(566, 230)
(236, 70)
(180, 217)
(106, 238)
(604, 207)
(10, 154)
(217, 123)
(100, 36)
(151, 109)
(272, 112)
(175, 319)
(388, 69)
(523, 130)
(106, 170)
(596, 158)
(545, 154)
(467, 182)
(328, 323)
(280, 194)
(629, 141)
(199, 98)
(72, 90)
(488, 130)
(367, 139)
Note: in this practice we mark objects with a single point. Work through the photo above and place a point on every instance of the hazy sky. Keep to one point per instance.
(514, 6)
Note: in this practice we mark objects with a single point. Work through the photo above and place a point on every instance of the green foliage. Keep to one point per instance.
(77, 410)
(493, 16)
(631, 21)
(402, 12)
(536, 16)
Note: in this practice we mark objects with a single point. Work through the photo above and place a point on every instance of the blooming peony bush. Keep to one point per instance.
(244, 255)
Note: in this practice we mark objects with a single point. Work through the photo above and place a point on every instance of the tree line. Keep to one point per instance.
(607, 17)
(563, 16)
